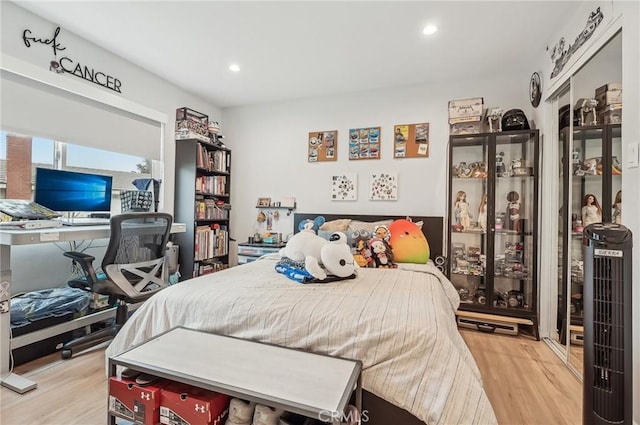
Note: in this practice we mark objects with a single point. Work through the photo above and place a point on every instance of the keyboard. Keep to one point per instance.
(84, 221)
(30, 224)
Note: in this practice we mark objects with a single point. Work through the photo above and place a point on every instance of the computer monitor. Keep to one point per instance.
(70, 191)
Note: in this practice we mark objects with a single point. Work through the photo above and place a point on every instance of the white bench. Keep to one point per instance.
(313, 385)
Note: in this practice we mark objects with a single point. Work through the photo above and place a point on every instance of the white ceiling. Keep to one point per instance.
(300, 49)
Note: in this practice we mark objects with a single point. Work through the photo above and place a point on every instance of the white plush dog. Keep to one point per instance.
(335, 255)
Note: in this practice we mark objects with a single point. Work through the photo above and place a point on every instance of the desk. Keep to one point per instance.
(15, 237)
(313, 385)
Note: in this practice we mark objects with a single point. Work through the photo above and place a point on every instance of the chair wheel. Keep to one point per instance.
(66, 354)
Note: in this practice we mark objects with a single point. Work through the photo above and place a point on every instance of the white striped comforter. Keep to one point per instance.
(400, 323)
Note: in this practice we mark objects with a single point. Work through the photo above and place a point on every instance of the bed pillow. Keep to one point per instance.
(369, 226)
(408, 243)
(339, 225)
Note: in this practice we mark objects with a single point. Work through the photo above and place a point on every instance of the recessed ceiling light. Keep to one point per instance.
(429, 29)
(234, 67)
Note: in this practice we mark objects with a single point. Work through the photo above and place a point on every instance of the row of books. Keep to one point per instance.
(211, 241)
(210, 209)
(213, 160)
(215, 185)
(209, 267)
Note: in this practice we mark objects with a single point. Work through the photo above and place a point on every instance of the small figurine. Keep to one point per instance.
(495, 116)
(260, 226)
(586, 107)
(616, 217)
(382, 232)
(462, 170)
(576, 164)
(462, 210)
(479, 170)
(591, 210)
(501, 169)
(362, 255)
(513, 222)
(482, 213)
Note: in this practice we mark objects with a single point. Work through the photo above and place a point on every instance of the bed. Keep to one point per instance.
(399, 322)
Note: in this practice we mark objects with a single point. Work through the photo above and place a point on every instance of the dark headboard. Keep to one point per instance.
(433, 227)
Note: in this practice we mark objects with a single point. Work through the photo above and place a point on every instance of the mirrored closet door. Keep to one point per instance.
(589, 182)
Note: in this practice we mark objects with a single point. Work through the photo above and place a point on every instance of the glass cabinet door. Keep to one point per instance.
(596, 182)
(515, 222)
(587, 196)
(468, 219)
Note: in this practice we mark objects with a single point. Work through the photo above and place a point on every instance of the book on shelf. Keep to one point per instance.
(210, 241)
(212, 209)
(208, 267)
(215, 185)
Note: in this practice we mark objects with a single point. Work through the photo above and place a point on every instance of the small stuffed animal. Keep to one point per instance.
(312, 224)
(335, 255)
(380, 253)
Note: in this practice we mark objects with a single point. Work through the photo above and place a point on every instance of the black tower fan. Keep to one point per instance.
(608, 375)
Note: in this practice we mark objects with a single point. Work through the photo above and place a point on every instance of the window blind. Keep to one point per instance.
(32, 108)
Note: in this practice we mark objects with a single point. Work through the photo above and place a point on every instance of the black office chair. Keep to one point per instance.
(134, 265)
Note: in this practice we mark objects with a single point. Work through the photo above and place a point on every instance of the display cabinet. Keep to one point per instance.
(591, 182)
(493, 223)
(202, 200)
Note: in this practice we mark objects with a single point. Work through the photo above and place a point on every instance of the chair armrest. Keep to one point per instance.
(86, 262)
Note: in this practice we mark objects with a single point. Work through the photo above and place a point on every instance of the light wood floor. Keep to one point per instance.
(526, 384)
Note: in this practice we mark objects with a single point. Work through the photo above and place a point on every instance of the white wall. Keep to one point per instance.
(631, 176)
(269, 145)
(138, 86)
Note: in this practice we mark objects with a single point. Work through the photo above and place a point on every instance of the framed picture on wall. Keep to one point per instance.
(364, 143)
(323, 146)
(411, 140)
(344, 187)
(264, 202)
(383, 187)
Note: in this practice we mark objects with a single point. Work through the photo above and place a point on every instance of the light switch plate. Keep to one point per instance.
(633, 155)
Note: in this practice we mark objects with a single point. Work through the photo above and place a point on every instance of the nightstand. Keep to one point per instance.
(248, 252)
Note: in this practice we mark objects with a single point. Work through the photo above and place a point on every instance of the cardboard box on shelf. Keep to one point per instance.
(467, 127)
(466, 110)
(609, 97)
(611, 114)
(609, 87)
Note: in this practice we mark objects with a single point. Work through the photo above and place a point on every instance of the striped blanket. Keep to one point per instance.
(399, 322)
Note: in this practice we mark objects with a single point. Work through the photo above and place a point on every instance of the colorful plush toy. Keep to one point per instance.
(380, 253)
(320, 256)
(311, 224)
(408, 242)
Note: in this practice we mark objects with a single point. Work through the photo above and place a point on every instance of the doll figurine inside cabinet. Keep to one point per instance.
(461, 209)
(591, 210)
(616, 216)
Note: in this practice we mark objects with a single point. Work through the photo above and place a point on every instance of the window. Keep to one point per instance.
(26, 152)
